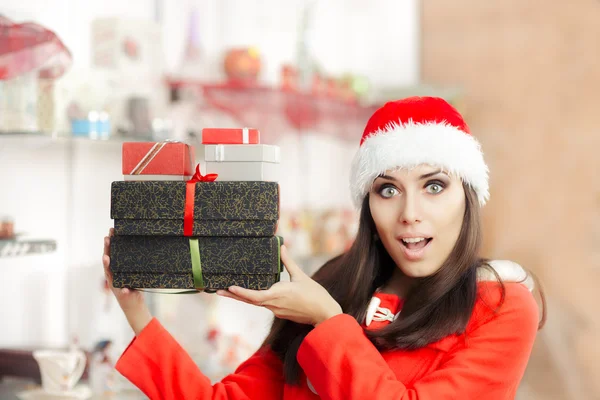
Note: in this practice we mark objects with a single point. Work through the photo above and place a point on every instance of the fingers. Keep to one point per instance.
(106, 256)
(107, 245)
(292, 268)
(256, 297)
(107, 271)
(225, 293)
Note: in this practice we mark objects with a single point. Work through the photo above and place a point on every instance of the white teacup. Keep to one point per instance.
(60, 370)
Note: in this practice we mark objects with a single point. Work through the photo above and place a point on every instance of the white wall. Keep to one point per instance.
(379, 40)
(57, 190)
(34, 192)
(61, 189)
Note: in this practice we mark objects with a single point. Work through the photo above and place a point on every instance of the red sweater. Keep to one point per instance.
(487, 362)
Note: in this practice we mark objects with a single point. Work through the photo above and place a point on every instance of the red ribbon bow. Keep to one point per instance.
(190, 193)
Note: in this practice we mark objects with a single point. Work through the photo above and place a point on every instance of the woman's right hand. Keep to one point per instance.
(131, 301)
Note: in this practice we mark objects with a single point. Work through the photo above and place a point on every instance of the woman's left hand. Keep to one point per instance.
(301, 300)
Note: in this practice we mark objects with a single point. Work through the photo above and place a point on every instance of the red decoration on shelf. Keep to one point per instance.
(242, 65)
(277, 110)
(289, 77)
(26, 47)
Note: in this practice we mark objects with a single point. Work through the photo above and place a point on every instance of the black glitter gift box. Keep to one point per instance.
(197, 263)
(158, 208)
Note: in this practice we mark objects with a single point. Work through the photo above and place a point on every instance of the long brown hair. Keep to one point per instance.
(437, 306)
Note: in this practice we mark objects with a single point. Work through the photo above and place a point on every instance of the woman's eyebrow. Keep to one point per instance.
(430, 174)
(424, 176)
(391, 178)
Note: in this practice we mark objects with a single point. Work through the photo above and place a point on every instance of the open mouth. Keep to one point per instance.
(415, 244)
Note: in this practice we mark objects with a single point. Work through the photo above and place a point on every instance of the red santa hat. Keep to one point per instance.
(414, 131)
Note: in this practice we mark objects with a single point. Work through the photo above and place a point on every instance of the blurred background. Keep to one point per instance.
(78, 78)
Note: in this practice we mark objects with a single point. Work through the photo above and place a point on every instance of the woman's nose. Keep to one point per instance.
(410, 211)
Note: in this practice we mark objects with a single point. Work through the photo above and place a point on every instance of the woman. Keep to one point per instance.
(409, 312)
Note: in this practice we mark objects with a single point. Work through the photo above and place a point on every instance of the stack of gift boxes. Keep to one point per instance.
(176, 227)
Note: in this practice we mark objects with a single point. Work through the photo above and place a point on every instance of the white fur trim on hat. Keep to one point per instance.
(508, 271)
(412, 144)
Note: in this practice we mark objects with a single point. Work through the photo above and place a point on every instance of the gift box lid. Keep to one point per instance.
(212, 201)
(230, 136)
(244, 171)
(157, 158)
(172, 255)
(241, 153)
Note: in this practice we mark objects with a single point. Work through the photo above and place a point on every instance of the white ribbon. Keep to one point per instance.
(219, 153)
(277, 154)
(147, 159)
(245, 136)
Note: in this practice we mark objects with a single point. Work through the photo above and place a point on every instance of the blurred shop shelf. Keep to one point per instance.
(23, 247)
(64, 137)
(273, 109)
(43, 139)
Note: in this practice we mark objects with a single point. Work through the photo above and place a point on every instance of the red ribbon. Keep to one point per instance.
(190, 193)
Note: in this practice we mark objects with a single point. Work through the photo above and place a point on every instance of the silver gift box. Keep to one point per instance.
(241, 153)
(243, 162)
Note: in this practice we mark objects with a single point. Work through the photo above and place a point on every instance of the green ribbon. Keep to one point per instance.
(280, 266)
(196, 264)
(197, 267)
(196, 270)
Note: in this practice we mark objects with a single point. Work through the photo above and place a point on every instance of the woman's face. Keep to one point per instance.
(418, 214)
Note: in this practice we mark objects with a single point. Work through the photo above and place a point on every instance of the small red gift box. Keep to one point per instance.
(163, 158)
(230, 136)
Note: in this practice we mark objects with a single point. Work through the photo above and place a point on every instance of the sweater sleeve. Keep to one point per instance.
(156, 363)
(342, 363)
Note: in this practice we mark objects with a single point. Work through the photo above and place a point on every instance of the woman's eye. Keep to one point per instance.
(388, 191)
(434, 188)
